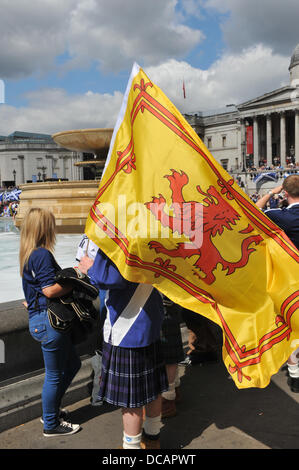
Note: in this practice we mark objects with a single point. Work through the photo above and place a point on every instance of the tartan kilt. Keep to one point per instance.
(132, 377)
(171, 336)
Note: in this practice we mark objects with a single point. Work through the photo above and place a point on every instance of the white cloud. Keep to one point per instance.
(32, 35)
(53, 110)
(232, 79)
(113, 33)
(271, 22)
(117, 33)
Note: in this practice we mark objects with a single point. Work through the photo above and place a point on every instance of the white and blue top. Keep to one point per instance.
(134, 311)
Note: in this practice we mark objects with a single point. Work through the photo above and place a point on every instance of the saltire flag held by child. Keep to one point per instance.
(168, 214)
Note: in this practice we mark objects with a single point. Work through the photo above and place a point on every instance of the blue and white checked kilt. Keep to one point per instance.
(132, 377)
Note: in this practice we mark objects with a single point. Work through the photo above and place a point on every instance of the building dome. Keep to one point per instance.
(295, 58)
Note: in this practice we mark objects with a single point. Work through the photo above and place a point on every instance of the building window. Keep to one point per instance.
(209, 142)
(224, 163)
(224, 141)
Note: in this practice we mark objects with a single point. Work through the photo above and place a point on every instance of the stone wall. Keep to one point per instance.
(22, 354)
(22, 368)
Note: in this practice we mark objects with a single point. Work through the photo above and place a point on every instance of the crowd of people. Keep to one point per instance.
(141, 345)
(9, 209)
(255, 173)
(9, 201)
(290, 167)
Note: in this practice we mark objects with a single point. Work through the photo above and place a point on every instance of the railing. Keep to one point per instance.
(253, 173)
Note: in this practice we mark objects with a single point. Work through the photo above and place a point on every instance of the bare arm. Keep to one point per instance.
(263, 201)
(56, 290)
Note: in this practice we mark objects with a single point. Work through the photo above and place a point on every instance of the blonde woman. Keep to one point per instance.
(38, 268)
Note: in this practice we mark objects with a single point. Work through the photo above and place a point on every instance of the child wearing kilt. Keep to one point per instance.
(133, 369)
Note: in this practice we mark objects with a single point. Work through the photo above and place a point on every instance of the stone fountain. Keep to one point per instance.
(70, 201)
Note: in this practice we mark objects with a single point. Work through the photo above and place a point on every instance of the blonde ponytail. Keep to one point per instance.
(37, 230)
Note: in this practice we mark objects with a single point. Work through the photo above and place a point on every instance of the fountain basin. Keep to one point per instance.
(85, 140)
(70, 202)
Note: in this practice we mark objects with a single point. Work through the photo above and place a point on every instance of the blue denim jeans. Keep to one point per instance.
(61, 365)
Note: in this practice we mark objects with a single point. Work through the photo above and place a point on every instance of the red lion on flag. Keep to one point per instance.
(214, 216)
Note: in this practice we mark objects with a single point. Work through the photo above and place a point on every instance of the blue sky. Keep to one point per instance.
(66, 63)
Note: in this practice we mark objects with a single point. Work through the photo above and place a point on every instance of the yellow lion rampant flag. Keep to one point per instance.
(169, 215)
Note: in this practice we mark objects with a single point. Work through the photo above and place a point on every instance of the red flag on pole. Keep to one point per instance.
(184, 90)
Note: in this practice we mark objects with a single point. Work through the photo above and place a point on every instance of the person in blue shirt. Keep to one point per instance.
(133, 369)
(38, 269)
(287, 218)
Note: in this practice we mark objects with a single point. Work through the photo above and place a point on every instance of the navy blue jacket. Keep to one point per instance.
(288, 220)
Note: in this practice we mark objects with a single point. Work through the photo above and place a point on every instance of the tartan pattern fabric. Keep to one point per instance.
(132, 377)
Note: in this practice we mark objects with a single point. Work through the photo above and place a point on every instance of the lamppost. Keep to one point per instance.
(43, 168)
(14, 176)
(292, 154)
(243, 147)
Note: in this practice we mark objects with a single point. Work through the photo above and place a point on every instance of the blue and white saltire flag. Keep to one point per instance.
(13, 195)
(264, 178)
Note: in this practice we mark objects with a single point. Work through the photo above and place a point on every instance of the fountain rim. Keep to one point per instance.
(81, 131)
(58, 184)
(89, 140)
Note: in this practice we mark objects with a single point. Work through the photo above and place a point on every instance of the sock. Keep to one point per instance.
(293, 357)
(170, 394)
(293, 370)
(152, 426)
(131, 442)
(177, 380)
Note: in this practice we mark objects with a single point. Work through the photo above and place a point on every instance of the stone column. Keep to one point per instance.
(255, 142)
(51, 164)
(269, 140)
(20, 175)
(297, 135)
(63, 164)
(283, 145)
(242, 143)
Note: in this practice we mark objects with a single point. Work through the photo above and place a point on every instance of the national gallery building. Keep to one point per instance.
(29, 157)
(261, 132)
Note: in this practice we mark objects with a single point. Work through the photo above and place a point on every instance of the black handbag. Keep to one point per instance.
(74, 312)
(69, 315)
